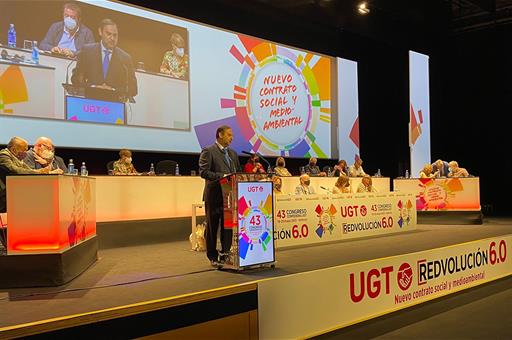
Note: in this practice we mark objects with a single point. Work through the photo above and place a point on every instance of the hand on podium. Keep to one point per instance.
(57, 172)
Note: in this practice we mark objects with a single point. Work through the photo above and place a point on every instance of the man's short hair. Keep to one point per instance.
(106, 22)
(74, 7)
(15, 141)
(222, 129)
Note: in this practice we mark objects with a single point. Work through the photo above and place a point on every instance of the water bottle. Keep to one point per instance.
(71, 167)
(152, 169)
(177, 170)
(11, 36)
(83, 170)
(406, 173)
(378, 173)
(35, 53)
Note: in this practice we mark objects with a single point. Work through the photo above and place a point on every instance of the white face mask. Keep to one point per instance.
(180, 52)
(128, 160)
(70, 23)
(47, 154)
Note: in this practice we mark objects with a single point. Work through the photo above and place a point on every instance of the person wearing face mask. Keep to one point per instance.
(278, 185)
(312, 169)
(67, 37)
(104, 65)
(253, 165)
(175, 61)
(280, 168)
(304, 187)
(123, 166)
(43, 155)
(11, 163)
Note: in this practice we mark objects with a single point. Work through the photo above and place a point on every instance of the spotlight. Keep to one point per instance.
(363, 9)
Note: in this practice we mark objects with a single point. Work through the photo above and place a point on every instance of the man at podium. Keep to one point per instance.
(215, 162)
(105, 66)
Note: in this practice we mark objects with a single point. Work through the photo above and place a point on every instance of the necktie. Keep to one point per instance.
(226, 157)
(106, 61)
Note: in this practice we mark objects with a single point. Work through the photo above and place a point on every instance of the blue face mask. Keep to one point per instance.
(70, 23)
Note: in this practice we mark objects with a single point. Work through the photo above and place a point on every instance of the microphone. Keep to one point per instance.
(247, 153)
(324, 188)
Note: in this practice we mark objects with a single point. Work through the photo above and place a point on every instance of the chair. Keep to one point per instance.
(110, 166)
(166, 167)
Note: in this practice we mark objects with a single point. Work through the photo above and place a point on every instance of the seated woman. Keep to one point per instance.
(280, 168)
(278, 184)
(366, 185)
(456, 171)
(341, 169)
(253, 165)
(342, 185)
(124, 166)
(428, 172)
(175, 61)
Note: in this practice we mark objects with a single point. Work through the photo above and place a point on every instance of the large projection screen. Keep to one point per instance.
(419, 112)
(181, 80)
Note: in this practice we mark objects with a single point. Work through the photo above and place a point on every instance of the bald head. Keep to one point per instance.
(304, 179)
(18, 146)
(44, 148)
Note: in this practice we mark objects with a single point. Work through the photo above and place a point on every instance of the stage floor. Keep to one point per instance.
(129, 275)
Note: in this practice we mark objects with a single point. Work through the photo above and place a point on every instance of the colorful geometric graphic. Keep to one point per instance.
(281, 99)
(325, 220)
(436, 194)
(255, 222)
(13, 88)
(405, 213)
(415, 127)
(77, 229)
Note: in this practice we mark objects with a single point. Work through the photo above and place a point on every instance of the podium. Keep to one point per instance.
(249, 214)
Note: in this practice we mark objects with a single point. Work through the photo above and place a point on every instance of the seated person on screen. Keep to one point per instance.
(67, 37)
(428, 172)
(312, 169)
(175, 61)
(280, 168)
(11, 163)
(456, 171)
(366, 185)
(356, 170)
(441, 168)
(342, 185)
(341, 169)
(253, 165)
(43, 155)
(278, 185)
(304, 187)
(104, 65)
(123, 166)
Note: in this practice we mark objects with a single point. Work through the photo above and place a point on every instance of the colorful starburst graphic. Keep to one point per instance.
(436, 194)
(325, 220)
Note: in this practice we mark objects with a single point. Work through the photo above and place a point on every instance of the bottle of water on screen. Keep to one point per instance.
(152, 169)
(378, 173)
(11, 36)
(406, 173)
(71, 167)
(83, 170)
(35, 53)
(177, 170)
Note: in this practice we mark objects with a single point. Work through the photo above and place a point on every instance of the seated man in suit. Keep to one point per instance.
(11, 163)
(68, 36)
(43, 155)
(104, 65)
(441, 168)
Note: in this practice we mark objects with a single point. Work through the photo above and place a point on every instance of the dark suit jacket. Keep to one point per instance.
(58, 163)
(212, 167)
(54, 34)
(120, 74)
(10, 165)
(445, 169)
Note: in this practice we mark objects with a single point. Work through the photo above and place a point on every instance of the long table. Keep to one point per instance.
(442, 194)
(123, 198)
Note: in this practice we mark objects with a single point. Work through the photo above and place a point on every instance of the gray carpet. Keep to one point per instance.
(134, 274)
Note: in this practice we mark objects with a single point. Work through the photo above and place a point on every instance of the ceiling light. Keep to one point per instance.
(363, 9)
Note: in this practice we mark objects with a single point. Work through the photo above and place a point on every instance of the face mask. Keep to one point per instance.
(70, 23)
(307, 182)
(312, 164)
(21, 155)
(128, 160)
(278, 186)
(280, 164)
(180, 52)
(47, 154)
